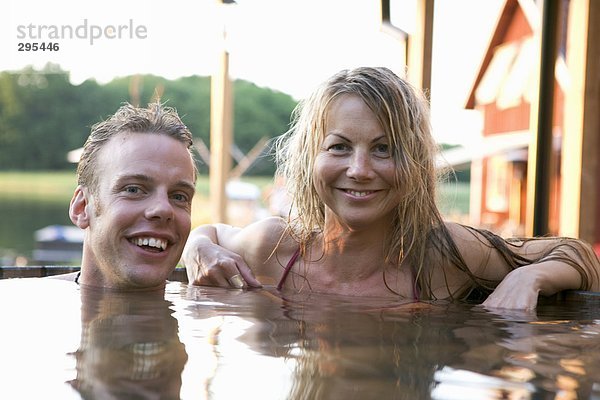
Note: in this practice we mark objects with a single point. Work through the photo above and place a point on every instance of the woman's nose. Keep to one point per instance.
(360, 167)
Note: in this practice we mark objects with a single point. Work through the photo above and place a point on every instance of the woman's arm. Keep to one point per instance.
(521, 288)
(564, 264)
(527, 267)
(215, 253)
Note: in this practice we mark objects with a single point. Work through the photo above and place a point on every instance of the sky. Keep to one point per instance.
(286, 45)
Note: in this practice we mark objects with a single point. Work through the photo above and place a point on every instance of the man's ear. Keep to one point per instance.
(78, 209)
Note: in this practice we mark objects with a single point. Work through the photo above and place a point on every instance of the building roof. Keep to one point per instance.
(503, 59)
(484, 147)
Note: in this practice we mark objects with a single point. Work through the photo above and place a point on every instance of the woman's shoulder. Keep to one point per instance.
(464, 237)
(484, 253)
(453, 242)
(267, 239)
(267, 230)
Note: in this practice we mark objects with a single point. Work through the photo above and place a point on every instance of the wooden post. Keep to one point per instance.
(417, 48)
(396, 32)
(420, 47)
(541, 126)
(580, 194)
(221, 134)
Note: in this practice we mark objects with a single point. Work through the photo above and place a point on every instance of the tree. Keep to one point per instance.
(43, 116)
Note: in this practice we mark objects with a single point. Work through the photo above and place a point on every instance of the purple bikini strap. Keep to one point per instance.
(288, 268)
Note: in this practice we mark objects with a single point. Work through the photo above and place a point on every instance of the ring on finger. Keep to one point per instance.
(236, 281)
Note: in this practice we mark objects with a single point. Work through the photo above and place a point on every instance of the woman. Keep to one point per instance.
(359, 167)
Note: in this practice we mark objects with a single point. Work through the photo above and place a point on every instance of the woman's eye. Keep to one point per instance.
(338, 147)
(382, 149)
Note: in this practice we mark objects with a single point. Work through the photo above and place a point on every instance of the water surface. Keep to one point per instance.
(63, 341)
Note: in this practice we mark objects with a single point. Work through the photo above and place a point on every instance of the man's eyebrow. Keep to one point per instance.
(186, 185)
(145, 178)
(133, 177)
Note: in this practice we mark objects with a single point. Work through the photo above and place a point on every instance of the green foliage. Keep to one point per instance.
(43, 116)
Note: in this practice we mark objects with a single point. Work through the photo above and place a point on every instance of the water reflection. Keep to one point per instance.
(130, 348)
(212, 343)
(541, 357)
(339, 348)
(336, 347)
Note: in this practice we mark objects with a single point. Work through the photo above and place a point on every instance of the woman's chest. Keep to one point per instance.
(372, 282)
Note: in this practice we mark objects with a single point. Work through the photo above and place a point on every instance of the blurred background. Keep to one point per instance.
(67, 65)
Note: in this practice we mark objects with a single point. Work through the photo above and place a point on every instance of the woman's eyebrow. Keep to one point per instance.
(378, 138)
(338, 135)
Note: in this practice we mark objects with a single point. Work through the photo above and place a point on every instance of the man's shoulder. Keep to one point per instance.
(71, 276)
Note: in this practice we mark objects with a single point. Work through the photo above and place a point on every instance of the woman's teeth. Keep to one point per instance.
(358, 194)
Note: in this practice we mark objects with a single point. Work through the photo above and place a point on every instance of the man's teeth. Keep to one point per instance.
(358, 194)
(152, 242)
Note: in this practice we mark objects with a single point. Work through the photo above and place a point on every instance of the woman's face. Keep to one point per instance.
(354, 171)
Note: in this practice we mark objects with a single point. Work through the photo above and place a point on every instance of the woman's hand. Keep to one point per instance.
(209, 264)
(518, 290)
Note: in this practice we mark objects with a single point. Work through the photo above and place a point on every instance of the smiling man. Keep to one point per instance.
(136, 181)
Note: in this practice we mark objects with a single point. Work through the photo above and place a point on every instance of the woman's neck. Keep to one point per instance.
(354, 264)
(344, 238)
(350, 253)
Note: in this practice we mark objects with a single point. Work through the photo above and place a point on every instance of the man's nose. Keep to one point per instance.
(160, 207)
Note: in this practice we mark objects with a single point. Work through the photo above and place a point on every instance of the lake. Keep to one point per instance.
(21, 218)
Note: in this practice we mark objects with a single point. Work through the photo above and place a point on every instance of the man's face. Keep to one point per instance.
(139, 216)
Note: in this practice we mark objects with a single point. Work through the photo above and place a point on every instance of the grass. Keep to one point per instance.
(50, 186)
(58, 187)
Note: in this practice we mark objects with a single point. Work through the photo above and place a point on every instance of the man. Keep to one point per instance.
(136, 179)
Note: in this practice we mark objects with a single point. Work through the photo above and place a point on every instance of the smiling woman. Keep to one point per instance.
(359, 165)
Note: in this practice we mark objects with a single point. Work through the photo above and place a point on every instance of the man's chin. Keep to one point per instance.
(147, 277)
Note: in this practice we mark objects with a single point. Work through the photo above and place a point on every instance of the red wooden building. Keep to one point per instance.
(527, 172)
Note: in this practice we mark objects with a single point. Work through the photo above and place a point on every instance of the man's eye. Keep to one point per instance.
(180, 197)
(132, 189)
